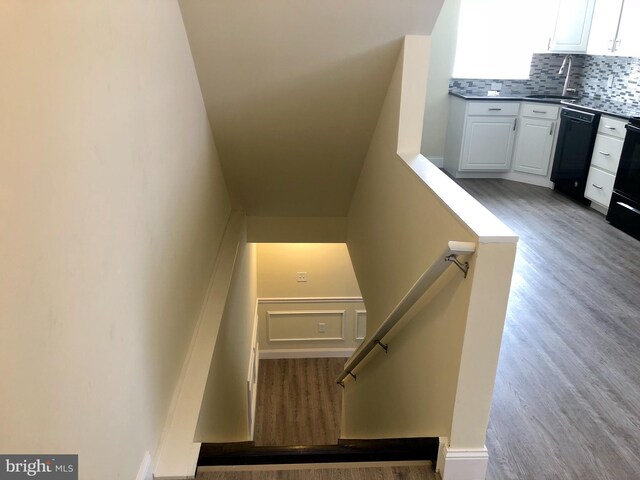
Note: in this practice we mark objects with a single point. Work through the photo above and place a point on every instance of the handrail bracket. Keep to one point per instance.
(383, 345)
(442, 262)
(462, 266)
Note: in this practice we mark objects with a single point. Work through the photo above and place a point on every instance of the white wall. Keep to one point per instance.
(224, 412)
(443, 50)
(112, 206)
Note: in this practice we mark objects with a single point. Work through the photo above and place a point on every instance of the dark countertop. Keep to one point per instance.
(619, 110)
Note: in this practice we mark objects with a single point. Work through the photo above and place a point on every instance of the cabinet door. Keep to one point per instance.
(628, 41)
(604, 27)
(571, 32)
(488, 143)
(533, 147)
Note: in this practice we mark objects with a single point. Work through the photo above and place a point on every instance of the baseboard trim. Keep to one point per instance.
(145, 472)
(267, 301)
(461, 464)
(306, 353)
(599, 208)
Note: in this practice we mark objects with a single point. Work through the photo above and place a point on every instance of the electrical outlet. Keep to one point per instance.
(322, 327)
(610, 81)
(497, 86)
(301, 277)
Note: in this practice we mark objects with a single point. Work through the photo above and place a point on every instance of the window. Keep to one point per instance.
(496, 38)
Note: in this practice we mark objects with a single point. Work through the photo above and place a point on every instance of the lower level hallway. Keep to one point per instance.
(566, 403)
(298, 402)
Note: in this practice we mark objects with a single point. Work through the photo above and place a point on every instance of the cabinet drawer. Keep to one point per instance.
(599, 186)
(606, 153)
(493, 108)
(540, 110)
(612, 126)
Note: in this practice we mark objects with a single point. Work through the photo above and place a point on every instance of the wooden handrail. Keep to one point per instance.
(448, 257)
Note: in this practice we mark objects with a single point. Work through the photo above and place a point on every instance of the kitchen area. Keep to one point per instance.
(572, 124)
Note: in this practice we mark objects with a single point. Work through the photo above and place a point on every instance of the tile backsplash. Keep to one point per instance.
(589, 75)
(626, 80)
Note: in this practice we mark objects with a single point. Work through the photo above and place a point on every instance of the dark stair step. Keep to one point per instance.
(378, 450)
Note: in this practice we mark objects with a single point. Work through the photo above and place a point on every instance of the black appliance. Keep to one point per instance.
(624, 208)
(572, 159)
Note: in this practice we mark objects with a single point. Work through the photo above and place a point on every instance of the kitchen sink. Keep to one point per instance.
(543, 96)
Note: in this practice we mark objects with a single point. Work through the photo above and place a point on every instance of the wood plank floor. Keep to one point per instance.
(298, 402)
(373, 473)
(567, 396)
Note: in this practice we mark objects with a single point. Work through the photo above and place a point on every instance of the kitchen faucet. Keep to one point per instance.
(568, 61)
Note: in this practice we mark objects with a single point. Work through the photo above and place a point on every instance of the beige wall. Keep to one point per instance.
(296, 103)
(112, 205)
(443, 50)
(328, 267)
(329, 275)
(437, 378)
(224, 412)
(391, 245)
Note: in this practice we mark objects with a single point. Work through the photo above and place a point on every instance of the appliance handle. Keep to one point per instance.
(632, 128)
(629, 207)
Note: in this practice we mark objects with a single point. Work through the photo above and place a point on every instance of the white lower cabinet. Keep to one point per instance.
(536, 138)
(605, 160)
(599, 186)
(534, 146)
(480, 136)
(488, 143)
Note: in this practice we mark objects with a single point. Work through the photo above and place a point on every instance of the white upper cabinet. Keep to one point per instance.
(573, 22)
(614, 30)
(628, 39)
(604, 27)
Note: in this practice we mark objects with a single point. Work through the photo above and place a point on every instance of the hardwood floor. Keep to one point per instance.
(567, 395)
(298, 402)
(372, 473)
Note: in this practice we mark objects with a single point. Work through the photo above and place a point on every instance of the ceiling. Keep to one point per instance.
(293, 89)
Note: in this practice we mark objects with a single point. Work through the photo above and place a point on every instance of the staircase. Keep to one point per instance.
(345, 451)
(298, 402)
